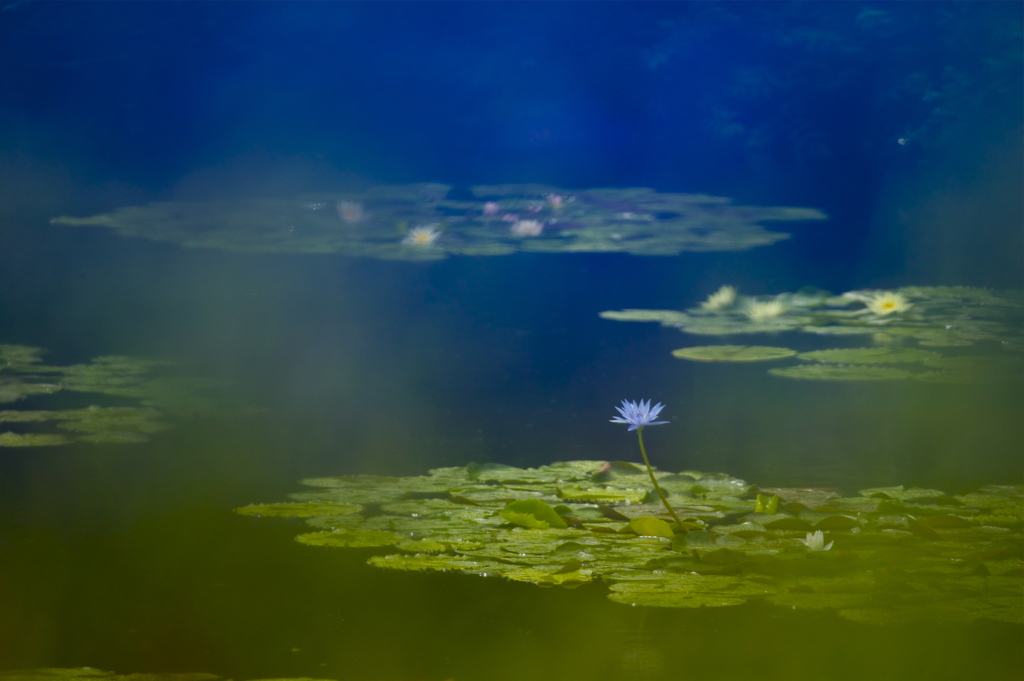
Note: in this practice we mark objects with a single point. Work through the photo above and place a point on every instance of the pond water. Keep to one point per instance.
(129, 557)
(360, 354)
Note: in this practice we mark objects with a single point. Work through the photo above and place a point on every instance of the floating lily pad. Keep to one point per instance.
(425, 561)
(647, 526)
(688, 591)
(733, 353)
(23, 377)
(870, 355)
(97, 419)
(959, 555)
(788, 523)
(839, 372)
(26, 416)
(602, 494)
(20, 356)
(13, 390)
(375, 222)
(299, 510)
(666, 317)
(493, 473)
(351, 538)
(114, 437)
(943, 319)
(571, 574)
(32, 440)
(532, 513)
(836, 522)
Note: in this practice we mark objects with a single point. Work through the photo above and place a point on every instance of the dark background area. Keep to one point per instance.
(865, 110)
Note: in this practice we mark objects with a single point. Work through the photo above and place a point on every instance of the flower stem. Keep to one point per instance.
(650, 472)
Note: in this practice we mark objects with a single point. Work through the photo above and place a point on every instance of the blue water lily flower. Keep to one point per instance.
(639, 414)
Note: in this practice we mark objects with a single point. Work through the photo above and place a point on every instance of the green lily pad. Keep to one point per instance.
(571, 574)
(602, 494)
(902, 493)
(647, 526)
(944, 319)
(960, 556)
(870, 355)
(298, 510)
(946, 521)
(687, 591)
(32, 440)
(836, 522)
(532, 513)
(114, 437)
(375, 222)
(425, 561)
(733, 353)
(19, 356)
(111, 420)
(671, 318)
(838, 372)
(18, 389)
(563, 471)
(788, 523)
(27, 416)
(24, 377)
(350, 538)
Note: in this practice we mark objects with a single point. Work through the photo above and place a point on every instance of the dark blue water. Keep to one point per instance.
(902, 121)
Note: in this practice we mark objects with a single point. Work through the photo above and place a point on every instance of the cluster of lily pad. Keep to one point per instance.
(431, 221)
(886, 554)
(23, 376)
(945, 334)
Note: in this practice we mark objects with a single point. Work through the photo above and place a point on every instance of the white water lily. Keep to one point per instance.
(720, 299)
(527, 227)
(762, 312)
(421, 236)
(816, 541)
(888, 302)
